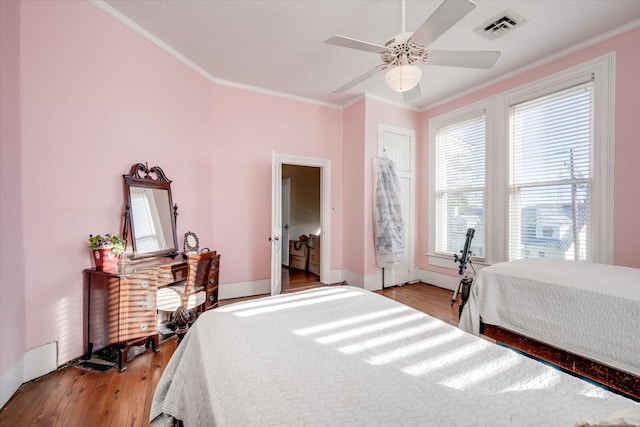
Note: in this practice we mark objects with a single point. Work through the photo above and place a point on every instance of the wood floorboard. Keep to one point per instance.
(72, 396)
(101, 412)
(73, 402)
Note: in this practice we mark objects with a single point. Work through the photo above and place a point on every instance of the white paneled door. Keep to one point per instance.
(286, 207)
(276, 224)
(398, 145)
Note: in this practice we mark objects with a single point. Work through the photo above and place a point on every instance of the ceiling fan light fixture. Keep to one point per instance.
(403, 77)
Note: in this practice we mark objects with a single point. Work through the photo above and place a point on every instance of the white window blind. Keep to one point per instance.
(460, 181)
(550, 175)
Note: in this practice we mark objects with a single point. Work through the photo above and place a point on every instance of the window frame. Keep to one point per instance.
(481, 108)
(497, 111)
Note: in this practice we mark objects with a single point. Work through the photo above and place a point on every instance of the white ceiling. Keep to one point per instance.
(278, 45)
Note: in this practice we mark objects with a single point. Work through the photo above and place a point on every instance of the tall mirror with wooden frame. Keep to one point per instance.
(150, 213)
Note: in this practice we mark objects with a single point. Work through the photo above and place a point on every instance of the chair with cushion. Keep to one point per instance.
(187, 298)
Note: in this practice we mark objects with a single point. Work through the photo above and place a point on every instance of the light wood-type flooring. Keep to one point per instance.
(75, 397)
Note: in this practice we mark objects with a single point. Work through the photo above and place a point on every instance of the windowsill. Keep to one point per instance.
(446, 261)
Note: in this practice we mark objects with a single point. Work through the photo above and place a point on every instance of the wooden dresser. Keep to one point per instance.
(121, 309)
(212, 287)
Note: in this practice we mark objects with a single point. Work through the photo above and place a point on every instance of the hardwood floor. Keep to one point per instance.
(294, 279)
(429, 299)
(72, 396)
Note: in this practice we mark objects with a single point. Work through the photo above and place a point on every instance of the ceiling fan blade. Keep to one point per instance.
(355, 44)
(469, 59)
(357, 80)
(412, 94)
(445, 16)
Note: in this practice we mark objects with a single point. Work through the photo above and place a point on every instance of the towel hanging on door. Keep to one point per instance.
(388, 226)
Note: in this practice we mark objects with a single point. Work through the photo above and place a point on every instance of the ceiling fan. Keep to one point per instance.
(403, 50)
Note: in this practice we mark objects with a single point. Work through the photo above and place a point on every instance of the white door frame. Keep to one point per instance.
(276, 215)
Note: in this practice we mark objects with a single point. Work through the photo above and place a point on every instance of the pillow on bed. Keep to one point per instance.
(624, 417)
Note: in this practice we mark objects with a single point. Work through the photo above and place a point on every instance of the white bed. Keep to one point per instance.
(345, 356)
(592, 310)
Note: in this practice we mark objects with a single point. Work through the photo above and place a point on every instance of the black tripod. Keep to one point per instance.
(464, 286)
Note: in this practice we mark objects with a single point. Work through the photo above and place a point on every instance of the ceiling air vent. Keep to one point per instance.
(498, 26)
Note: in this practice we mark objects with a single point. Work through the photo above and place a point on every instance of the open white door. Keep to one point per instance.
(276, 225)
(286, 211)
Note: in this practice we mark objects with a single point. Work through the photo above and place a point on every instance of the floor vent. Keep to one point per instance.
(497, 27)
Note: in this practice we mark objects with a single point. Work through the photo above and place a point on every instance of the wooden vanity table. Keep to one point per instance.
(121, 309)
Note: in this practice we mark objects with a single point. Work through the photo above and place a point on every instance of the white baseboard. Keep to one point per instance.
(438, 279)
(10, 381)
(353, 279)
(373, 282)
(40, 361)
(33, 364)
(336, 276)
(261, 287)
(244, 289)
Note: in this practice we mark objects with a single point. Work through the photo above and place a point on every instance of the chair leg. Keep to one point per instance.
(181, 319)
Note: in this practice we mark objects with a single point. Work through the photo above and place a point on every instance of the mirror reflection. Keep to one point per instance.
(151, 219)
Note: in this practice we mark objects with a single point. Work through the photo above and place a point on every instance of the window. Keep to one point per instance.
(550, 180)
(460, 180)
(544, 187)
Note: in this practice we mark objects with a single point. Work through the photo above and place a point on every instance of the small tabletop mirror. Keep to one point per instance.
(191, 243)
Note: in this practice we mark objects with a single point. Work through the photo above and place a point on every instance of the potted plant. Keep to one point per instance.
(106, 250)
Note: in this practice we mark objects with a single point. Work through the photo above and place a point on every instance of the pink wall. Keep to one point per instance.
(361, 122)
(97, 98)
(353, 203)
(360, 132)
(12, 287)
(627, 149)
(248, 127)
(626, 220)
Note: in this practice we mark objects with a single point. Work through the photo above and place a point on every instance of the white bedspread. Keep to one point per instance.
(345, 356)
(592, 310)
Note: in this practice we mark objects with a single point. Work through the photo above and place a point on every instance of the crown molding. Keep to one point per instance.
(114, 13)
(354, 100)
(392, 103)
(573, 49)
(276, 94)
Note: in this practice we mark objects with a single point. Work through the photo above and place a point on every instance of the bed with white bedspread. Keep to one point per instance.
(592, 310)
(342, 355)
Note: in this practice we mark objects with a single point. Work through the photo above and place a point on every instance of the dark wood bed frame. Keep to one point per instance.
(622, 382)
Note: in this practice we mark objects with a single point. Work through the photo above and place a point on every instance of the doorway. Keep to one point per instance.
(322, 167)
(301, 229)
